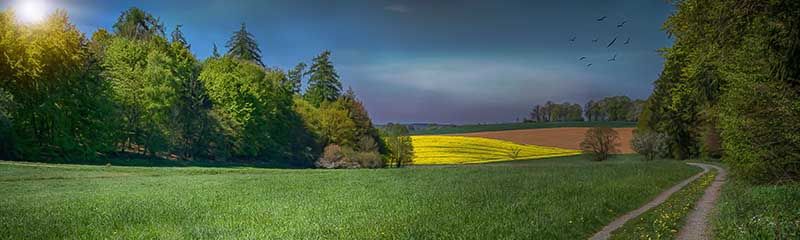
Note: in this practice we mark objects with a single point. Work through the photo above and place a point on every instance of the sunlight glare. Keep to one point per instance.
(31, 11)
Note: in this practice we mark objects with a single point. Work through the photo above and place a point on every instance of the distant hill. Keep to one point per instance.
(434, 129)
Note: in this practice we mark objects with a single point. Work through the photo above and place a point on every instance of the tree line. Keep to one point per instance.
(134, 91)
(615, 108)
(730, 87)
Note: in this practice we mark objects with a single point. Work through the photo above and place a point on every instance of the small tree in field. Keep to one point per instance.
(649, 144)
(600, 143)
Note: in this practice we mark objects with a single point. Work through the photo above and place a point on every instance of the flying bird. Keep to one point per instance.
(621, 24)
(627, 41)
(613, 58)
(572, 39)
(588, 65)
(594, 40)
(581, 58)
(612, 42)
(601, 19)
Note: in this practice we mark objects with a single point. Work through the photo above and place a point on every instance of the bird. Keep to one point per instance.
(612, 42)
(588, 65)
(601, 19)
(572, 39)
(581, 58)
(621, 24)
(594, 40)
(627, 41)
(613, 58)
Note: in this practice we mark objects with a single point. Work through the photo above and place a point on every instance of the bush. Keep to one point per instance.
(336, 156)
(649, 144)
(600, 143)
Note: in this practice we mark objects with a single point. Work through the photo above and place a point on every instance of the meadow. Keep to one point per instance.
(461, 150)
(557, 198)
(436, 130)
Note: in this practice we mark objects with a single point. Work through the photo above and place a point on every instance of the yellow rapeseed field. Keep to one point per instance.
(460, 150)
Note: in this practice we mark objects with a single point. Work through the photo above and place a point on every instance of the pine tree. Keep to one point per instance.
(215, 52)
(323, 85)
(295, 77)
(177, 36)
(242, 45)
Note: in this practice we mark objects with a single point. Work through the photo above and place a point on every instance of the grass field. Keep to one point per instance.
(560, 198)
(459, 150)
(515, 126)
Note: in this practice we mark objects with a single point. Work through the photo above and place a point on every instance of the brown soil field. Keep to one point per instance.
(569, 138)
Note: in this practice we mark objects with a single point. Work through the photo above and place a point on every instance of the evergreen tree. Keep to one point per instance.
(177, 36)
(215, 52)
(323, 85)
(295, 77)
(137, 24)
(242, 45)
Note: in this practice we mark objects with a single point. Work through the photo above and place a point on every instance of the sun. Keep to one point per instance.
(31, 11)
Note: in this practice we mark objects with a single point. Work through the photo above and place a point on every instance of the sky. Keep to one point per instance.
(442, 61)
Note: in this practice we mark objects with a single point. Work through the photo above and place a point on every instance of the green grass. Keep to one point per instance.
(560, 198)
(665, 220)
(515, 126)
(748, 211)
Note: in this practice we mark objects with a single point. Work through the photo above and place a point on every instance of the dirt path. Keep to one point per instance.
(605, 233)
(696, 226)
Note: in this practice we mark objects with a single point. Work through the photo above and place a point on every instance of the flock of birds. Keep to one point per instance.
(609, 45)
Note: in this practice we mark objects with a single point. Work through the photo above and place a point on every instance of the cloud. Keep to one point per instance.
(398, 8)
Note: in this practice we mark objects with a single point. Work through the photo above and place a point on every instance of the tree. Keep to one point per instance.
(215, 52)
(242, 45)
(323, 84)
(649, 144)
(137, 24)
(254, 110)
(401, 150)
(177, 37)
(295, 77)
(59, 104)
(600, 143)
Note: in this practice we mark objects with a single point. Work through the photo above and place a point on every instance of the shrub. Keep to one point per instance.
(600, 143)
(336, 156)
(367, 159)
(649, 144)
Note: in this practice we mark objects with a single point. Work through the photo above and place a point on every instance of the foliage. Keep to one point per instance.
(399, 145)
(600, 143)
(747, 211)
(243, 45)
(554, 112)
(295, 77)
(463, 150)
(336, 156)
(231, 202)
(323, 83)
(615, 108)
(649, 144)
(710, 77)
(6, 129)
(253, 109)
(177, 36)
(137, 24)
(60, 105)
(665, 220)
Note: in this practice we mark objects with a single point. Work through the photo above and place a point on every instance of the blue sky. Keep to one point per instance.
(432, 61)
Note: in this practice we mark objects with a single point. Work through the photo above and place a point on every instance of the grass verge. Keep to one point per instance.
(665, 220)
(747, 211)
